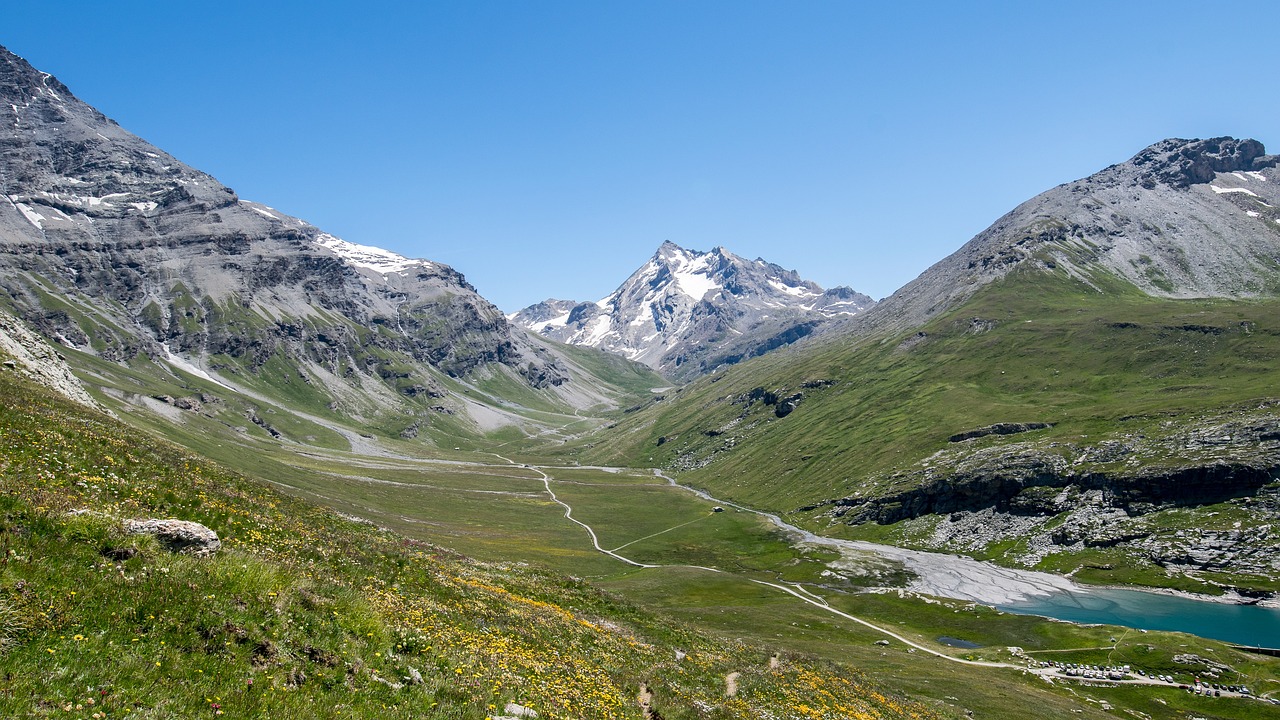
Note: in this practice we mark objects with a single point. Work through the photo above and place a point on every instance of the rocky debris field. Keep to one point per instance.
(1188, 497)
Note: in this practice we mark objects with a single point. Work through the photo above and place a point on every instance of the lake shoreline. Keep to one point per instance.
(1032, 592)
(1228, 598)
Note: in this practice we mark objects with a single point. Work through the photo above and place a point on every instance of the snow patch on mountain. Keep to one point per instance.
(369, 257)
(1223, 191)
(262, 210)
(187, 366)
(32, 216)
(596, 331)
(693, 276)
(791, 290)
(686, 312)
(559, 321)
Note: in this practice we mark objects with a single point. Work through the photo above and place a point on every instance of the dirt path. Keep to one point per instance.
(595, 541)
(820, 603)
(645, 698)
(796, 590)
(731, 684)
(662, 532)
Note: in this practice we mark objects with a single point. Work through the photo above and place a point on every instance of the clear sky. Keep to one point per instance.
(546, 148)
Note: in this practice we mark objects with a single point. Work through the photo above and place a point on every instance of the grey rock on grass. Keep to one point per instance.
(181, 536)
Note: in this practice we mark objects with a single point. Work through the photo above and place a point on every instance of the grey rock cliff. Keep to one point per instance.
(112, 246)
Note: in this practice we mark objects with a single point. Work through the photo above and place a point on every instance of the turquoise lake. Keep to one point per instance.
(1239, 624)
(963, 578)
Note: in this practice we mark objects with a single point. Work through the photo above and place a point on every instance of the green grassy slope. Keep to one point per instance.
(517, 633)
(304, 614)
(1035, 347)
(369, 381)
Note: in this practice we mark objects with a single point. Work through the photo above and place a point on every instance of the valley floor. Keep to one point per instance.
(616, 526)
(737, 573)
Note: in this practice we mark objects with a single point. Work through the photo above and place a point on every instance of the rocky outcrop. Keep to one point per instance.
(1054, 496)
(180, 536)
(1203, 462)
(782, 405)
(1183, 163)
(998, 429)
(1190, 543)
(1020, 481)
(787, 405)
(25, 353)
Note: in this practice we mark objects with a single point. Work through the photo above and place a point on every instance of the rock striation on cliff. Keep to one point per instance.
(111, 246)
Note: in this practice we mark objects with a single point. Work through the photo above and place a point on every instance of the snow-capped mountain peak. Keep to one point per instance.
(692, 274)
(685, 312)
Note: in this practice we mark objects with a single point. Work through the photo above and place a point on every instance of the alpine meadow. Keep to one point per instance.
(251, 469)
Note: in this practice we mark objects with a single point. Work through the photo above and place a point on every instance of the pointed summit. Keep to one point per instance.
(20, 81)
(686, 312)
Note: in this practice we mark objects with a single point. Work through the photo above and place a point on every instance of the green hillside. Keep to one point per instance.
(1102, 364)
(305, 614)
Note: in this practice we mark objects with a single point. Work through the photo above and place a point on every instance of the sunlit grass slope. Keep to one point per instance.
(1035, 347)
(305, 614)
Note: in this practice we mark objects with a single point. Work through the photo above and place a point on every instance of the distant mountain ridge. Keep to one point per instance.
(686, 312)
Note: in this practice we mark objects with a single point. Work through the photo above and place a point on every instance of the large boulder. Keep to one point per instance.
(181, 536)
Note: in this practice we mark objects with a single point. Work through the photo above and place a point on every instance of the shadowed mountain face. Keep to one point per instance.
(111, 246)
(1181, 219)
(685, 313)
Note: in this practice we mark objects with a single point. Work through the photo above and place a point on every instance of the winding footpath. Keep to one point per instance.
(793, 589)
(796, 590)
(818, 602)
(595, 541)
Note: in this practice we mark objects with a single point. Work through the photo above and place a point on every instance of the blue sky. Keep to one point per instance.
(547, 148)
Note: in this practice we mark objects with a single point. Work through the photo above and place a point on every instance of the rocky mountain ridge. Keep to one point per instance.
(113, 247)
(686, 312)
(1181, 219)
